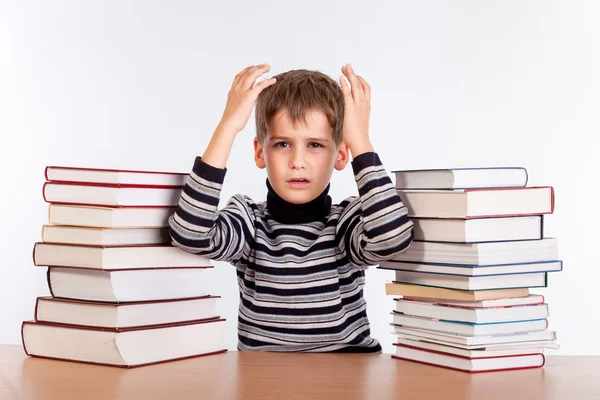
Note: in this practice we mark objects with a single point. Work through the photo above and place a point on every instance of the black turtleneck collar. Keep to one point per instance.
(289, 213)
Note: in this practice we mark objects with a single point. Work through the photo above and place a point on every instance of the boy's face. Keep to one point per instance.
(300, 157)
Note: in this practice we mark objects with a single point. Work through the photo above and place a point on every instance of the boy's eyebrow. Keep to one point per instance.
(312, 139)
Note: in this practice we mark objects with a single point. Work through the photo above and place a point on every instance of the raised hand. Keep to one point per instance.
(242, 96)
(240, 100)
(357, 110)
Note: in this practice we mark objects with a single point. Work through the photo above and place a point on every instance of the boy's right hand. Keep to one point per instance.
(242, 96)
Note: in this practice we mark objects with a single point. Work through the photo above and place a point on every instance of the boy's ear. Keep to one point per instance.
(259, 155)
(342, 157)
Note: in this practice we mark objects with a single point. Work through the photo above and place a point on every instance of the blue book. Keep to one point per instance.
(474, 270)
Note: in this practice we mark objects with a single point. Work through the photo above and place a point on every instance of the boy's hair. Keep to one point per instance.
(298, 91)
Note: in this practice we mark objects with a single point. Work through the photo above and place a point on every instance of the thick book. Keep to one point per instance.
(116, 257)
(105, 195)
(488, 282)
(420, 291)
(488, 253)
(483, 352)
(104, 236)
(478, 203)
(466, 364)
(473, 315)
(110, 217)
(474, 270)
(473, 230)
(501, 302)
(114, 176)
(469, 329)
(461, 178)
(119, 286)
(544, 336)
(124, 315)
(131, 347)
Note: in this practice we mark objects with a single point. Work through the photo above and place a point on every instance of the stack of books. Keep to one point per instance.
(121, 294)
(462, 289)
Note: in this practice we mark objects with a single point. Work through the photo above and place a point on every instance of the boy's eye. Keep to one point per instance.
(315, 145)
(282, 144)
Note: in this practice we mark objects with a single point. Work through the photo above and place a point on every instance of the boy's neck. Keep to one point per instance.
(289, 213)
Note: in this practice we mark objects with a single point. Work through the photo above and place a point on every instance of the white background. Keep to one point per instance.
(142, 84)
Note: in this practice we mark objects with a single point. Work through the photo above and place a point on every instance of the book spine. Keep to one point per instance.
(33, 254)
(49, 282)
(23, 338)
(44, 192)
(35, 311)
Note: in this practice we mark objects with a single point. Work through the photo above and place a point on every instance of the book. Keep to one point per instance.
(502, 302)
(477, 203)
(405, 289)
(128, 285)
(473, 315)
(482, 352)
(475, 230)
(114, 176)
(104, 236)
(469, 329)
(118, 257)
(538, 279)
(124, 315)
(131, 347)
(432, 338)
(488, 253)
(110, 195)
(474, 270)
(461, 178)
(466, 364)
(544, 336)
(107, 217)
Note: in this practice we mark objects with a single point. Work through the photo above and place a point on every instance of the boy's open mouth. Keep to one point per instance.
(298, 182)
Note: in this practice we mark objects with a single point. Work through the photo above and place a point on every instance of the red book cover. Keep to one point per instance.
(466, 358)
(112, 304)
(216, 319)
(108, 170)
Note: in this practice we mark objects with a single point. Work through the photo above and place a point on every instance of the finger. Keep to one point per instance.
(345, 87)
(237, 78)
(366, 88)
(357, 91)
(259, 87)
(250, 76)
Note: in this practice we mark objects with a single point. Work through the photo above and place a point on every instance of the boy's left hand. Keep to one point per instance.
(357, 108)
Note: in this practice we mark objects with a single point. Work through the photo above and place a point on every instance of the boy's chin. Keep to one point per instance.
(299, 196)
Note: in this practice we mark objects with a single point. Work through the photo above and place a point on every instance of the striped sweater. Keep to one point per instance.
(300, 284)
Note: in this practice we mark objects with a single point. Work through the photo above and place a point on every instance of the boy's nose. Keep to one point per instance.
(297, 159)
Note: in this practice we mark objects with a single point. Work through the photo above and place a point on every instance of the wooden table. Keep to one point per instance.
(279, 376)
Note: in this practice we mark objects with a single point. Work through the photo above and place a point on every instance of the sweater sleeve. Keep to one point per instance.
(374, 226)
(198, 226)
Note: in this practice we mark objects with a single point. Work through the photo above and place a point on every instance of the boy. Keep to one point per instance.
(299, 259)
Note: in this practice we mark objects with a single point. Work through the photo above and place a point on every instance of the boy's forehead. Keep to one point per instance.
(314, 124)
